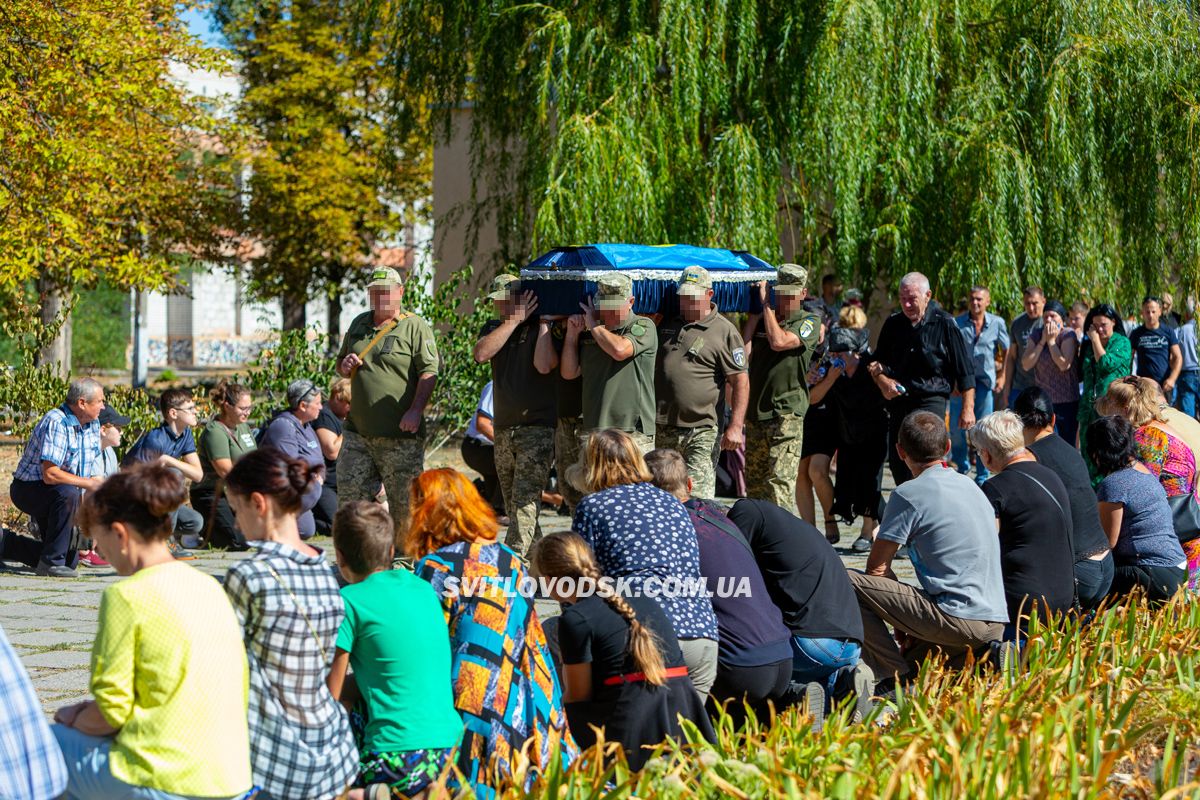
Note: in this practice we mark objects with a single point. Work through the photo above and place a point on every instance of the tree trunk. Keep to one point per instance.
(295, 316)
(56, 352)
(333, 320)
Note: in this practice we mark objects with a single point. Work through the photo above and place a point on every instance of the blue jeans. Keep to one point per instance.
(1187, 390)
(91, 778)
(818, 660)
(958, 437)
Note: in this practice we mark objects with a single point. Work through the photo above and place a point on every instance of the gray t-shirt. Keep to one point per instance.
(950, 529)
(1147, 537)
(1019, 332)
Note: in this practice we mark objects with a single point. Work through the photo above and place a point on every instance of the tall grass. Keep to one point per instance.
(1110, 709)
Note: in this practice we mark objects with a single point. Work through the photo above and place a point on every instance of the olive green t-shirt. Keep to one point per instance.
(383, 387)
(568, 393)
(779, 379)
(620, 394)
(520, 394)
(215, 442)
(694, 361)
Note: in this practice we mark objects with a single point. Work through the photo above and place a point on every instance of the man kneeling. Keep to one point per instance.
(950, 530)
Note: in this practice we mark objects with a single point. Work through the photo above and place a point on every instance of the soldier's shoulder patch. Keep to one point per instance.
(638, 329)
(808, 327)
(739, 356)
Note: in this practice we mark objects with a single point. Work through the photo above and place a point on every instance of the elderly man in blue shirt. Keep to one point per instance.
(983, 332)
(54, 470)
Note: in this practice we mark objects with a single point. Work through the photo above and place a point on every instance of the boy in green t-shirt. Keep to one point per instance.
(394, 636)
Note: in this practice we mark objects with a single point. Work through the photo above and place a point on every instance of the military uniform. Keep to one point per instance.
(694, 361)
(620, 394)
(568, 428)
(778, 402)
(524, 413)
(374, 449)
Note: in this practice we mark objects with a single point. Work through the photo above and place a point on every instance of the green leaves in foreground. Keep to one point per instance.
(1107, 710)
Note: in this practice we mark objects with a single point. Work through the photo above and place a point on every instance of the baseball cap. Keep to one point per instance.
(613, 290)
(109, 416)
(791, 279)
(502, 286)
(382, 277)
(694, 281)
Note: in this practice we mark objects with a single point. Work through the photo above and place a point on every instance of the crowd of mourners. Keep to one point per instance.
(691, 455)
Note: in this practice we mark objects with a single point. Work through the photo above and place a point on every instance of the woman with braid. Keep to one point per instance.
(622, 667)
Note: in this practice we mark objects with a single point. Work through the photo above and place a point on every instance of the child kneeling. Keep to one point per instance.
(395, 638)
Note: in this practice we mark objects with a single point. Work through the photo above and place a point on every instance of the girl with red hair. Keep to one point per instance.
(505, 685)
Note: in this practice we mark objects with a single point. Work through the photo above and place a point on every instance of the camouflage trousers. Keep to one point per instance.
(698, 446)
(773, 459)
(523, 458)
(366, 461)
(566, 453)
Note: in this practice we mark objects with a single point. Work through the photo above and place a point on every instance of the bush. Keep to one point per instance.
(296, 355)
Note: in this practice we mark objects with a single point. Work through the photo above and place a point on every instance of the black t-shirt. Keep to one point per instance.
(1153, 350)
(327, 420)
(520, 394)
(928, 359)
(804, 575)
(751, 627)
(1035, 547)
(1087, 537)
(592, 632)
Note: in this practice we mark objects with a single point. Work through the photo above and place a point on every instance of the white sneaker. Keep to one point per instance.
(190, 541)
(861, 545)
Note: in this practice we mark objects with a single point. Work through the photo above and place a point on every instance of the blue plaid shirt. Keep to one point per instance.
(31, 765)
(60, 439)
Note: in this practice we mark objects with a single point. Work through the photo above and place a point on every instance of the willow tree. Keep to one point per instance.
(1009, 141)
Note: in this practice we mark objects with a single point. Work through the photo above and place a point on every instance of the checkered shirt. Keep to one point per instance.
(31, 765)
(61, 440)
(301, 745)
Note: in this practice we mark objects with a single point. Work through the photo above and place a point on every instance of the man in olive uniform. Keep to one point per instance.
(391, 358)
(614, 350)
(780, 352)
(699, 352)
(521, 351)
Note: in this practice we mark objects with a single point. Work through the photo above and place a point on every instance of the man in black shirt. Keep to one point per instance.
(920, 359)
(1093, 559)
(1034, 521)
(806, 579)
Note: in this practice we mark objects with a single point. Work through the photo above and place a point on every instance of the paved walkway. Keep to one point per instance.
(52, 621)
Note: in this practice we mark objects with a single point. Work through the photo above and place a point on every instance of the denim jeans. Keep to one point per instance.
(958, 437)
(818, 660)
(90, 776)
(1187, 390)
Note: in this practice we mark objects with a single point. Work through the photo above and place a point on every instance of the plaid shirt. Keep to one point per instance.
(61, 440)
(290, 609)
(31, 765)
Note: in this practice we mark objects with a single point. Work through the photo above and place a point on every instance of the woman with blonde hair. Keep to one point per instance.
(1160, 447)
(623, 671)
(505, 686)
(645, 535)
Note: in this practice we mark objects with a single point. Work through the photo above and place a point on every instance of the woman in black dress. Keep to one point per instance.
(861, 425)
(622, 668)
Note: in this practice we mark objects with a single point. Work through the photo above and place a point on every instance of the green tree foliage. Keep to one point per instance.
(1011, 141)
(98, 177)
(329, 178)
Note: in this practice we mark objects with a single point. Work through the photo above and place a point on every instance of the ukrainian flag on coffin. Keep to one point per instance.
(566, 276)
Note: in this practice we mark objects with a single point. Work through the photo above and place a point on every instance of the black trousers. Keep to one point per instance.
(324, 510)
(1159, 583)
(482, 458)
(1092, 581)
(219, 521)
(749, 686)
(898, 409)
(53, 508)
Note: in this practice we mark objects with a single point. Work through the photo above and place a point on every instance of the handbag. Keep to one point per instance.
(1185, 514)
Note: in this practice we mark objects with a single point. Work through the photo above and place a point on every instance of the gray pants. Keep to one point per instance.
(910, 610)
(700, 655)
